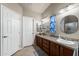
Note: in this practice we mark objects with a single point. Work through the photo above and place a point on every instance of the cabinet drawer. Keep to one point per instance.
(45, 45)
(46, 50)
(45, 41)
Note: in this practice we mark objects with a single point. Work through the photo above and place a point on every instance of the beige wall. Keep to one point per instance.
(59, 18)
(30, 13)
(14, 6)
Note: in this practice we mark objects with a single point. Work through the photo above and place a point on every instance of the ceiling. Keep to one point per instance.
(43, 9)
(54, 9)
(35, 7)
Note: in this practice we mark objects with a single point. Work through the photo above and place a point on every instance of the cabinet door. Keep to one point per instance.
(61, 51)
(46, 46)
(36, 40)
(67, 51)
(54, 49)
(39, 41)
(57, 49)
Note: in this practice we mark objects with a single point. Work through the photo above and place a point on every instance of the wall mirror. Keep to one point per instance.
(69, 24)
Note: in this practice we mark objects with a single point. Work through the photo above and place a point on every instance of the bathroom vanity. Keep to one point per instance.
(54, 48)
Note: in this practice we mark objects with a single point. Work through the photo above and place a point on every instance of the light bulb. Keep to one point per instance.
(62, 11)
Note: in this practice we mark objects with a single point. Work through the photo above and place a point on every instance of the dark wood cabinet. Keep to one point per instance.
(61, 51)
(39, 41)
(46, 46)
(56, 50)
(67, 51)
(53, 48)
(36, 40)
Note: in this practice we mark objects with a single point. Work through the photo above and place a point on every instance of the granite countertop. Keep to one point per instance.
(54, 39)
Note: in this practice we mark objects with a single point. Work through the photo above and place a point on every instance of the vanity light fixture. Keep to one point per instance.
(62, 10)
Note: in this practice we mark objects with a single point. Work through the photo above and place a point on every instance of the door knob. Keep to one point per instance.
(32, 33)
(5, 36)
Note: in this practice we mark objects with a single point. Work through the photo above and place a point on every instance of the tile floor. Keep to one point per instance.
(27, 51)
(30, 51)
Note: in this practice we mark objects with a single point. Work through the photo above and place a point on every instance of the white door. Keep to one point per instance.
(10, 31)
(27, 31)
(4, 31)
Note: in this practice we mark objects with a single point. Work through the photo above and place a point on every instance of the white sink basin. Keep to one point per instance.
(65, 41)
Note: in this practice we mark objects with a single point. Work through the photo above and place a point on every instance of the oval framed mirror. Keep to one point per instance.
(69, 24)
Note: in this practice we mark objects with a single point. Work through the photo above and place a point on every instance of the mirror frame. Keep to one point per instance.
(62, 23)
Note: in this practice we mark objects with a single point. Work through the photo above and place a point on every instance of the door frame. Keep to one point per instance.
(1, 32)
